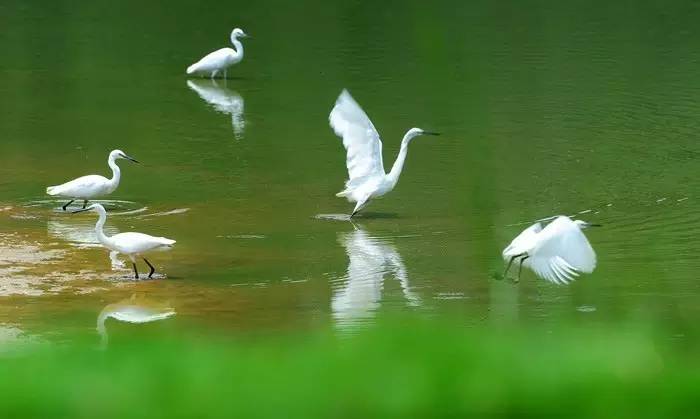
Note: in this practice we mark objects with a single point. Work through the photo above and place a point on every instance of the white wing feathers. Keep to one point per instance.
(138, 242)
(520, 244)
(360, 138)
(77, 188)
(562, 252)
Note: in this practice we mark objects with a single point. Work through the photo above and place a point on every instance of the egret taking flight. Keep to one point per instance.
(131, 244)
(367, 179)
(557, 252)
(221, 59)
(91, 186)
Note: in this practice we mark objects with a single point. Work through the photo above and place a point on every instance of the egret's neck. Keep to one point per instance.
(116, 174)
(396, 169)
(238, 47)
(99, 228)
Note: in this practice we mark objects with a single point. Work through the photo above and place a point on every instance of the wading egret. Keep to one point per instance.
(557, 252)
(370, 260)
(223, 100)
(91, 186)
(131, 244)
(132, 310)
(367, 179)
(221, 59)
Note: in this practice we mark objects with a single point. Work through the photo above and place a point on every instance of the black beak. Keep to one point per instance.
(430, 133)
(131, 158)
(81, 210)
(595, 225)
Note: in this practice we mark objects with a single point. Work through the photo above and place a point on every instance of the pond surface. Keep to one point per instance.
(578, 108)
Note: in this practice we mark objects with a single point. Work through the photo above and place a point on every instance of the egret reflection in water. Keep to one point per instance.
(77, 231)
(136, 309)
(371, 259)
(224, 100)
(81, 234)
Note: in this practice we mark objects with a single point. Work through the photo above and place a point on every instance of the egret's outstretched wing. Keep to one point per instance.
(360, 138)
(562, 253)
(521, 242)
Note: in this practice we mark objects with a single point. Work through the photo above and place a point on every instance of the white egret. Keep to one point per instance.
(132, 310)
(91, 186)
(557, 252)
(221, 59)
(131, 244)
(367, 179)
(223, 100)
(370, 260)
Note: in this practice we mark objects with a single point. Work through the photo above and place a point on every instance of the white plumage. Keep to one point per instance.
(91, 186)
(221, 59)
(131, 244)
(556, 253)
(366, 176)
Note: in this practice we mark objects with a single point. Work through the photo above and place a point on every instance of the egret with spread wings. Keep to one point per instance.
(556, 253)
(367, 179)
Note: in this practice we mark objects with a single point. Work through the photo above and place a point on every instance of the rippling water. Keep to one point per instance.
(564, 109)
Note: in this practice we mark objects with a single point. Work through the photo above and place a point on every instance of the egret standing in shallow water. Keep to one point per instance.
(557, 252)
(131, 244)
(367, 179)
(221, 59)
(91, 186)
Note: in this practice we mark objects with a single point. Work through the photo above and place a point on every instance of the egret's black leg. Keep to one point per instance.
(84, 203)
(520, 269)
(510, 262)
(150, 266)
(69, 202)
(136, 273)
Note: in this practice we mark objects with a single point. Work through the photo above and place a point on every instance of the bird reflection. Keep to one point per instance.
(81, 233)
(77, 231)
(371, 259)
(136, 309)
(223, 100)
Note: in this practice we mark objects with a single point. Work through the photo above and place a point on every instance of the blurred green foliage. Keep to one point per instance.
(395, 369)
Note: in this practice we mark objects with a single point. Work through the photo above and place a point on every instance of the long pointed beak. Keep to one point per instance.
(81, 210)
(131, 158)
(595, 225)
(430, 133)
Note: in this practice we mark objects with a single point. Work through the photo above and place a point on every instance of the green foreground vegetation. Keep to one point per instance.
(395, 369)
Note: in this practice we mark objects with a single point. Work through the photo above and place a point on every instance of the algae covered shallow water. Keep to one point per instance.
(545, 109)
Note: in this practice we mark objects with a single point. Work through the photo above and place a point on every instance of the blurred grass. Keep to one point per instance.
(394, 369)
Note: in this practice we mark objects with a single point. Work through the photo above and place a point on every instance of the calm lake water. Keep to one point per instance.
(546, 108)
